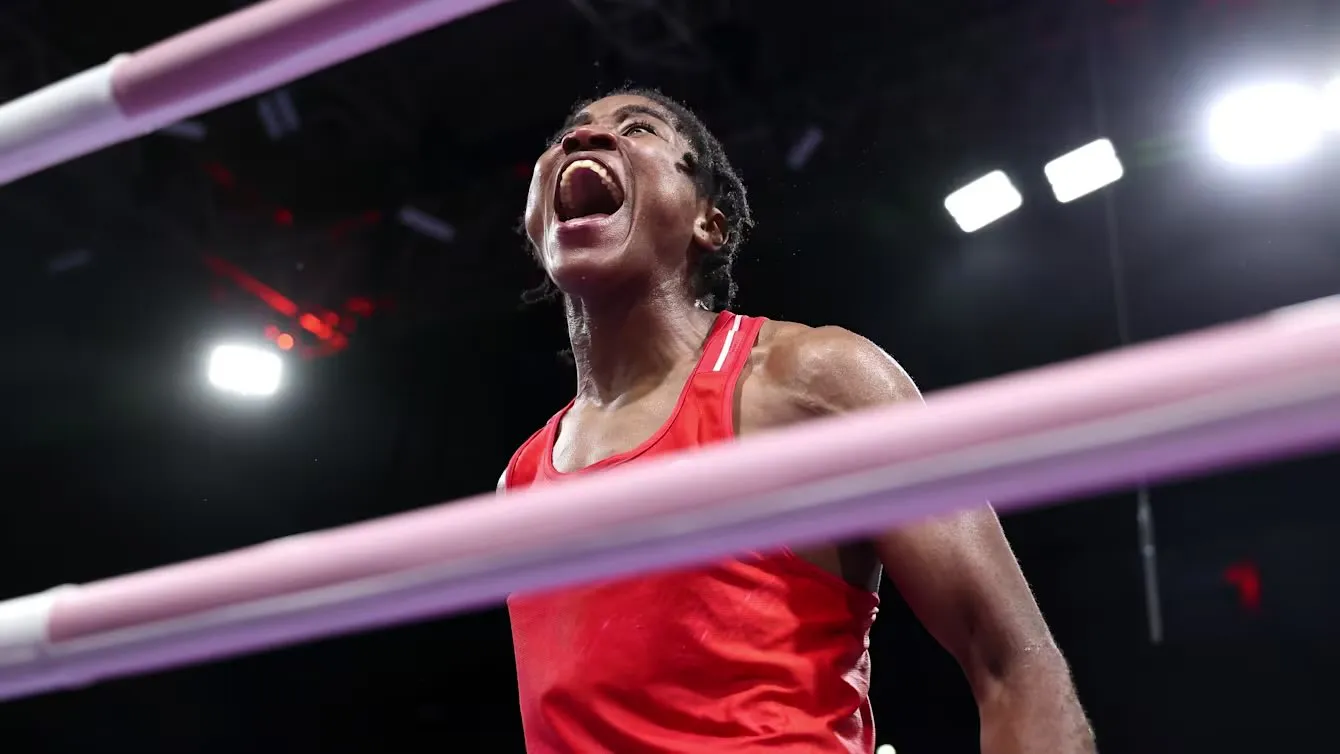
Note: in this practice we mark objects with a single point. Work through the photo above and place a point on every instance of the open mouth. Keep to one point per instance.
(587, 189)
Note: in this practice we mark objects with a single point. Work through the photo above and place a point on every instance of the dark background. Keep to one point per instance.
(119, 457)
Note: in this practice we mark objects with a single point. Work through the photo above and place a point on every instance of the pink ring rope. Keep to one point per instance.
(1260, 389)
(245, 53)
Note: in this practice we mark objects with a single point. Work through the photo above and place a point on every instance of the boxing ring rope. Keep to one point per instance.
(1261, 389)
(236, 56)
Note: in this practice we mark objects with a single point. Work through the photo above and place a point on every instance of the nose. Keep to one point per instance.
(587, 139)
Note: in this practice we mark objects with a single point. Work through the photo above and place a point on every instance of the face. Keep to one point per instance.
(612, 201)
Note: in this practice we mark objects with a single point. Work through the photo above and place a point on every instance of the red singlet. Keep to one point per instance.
(756, 654)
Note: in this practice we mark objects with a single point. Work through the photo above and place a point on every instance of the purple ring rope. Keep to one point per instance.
(1261, 389)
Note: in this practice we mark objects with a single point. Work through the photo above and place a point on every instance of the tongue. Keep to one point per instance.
(589, 196)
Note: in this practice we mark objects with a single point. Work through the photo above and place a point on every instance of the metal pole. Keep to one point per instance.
(1144, 512)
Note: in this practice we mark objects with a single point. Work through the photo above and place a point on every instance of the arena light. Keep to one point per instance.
(245, 370)
(425, 224)
(1330, 105)
(983, 201)
(1084, 171)
(1267, 124)
(801, 152)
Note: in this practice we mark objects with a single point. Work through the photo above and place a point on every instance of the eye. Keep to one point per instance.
(639, 126)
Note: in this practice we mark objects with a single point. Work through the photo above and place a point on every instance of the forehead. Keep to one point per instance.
(619, 107)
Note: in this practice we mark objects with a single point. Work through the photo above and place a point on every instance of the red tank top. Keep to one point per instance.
(754, 654)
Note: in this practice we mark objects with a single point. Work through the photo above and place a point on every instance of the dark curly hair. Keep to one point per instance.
(715, 178)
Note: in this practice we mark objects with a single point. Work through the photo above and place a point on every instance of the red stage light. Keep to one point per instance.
(1246, 578)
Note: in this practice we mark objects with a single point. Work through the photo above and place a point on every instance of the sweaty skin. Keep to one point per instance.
(636, 335)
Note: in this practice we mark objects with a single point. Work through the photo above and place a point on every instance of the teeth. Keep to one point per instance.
(565, 180)
(591, 165)
(565, 189)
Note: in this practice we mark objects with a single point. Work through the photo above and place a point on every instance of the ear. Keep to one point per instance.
(710, 230)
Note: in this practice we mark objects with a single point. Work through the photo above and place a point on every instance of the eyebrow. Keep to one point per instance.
(584, 117)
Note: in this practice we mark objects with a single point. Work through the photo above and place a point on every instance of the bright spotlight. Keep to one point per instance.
(1330, 105)
(983, 201)
(1084, 170)
(1268, 124)
(885, 749)
(245, 370)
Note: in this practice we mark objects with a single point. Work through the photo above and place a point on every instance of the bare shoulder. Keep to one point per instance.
(826, 370)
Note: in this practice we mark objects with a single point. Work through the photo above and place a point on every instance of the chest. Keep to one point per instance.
(589, 438)
(588, 435)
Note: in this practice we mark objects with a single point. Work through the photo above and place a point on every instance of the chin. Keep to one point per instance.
(590, 271)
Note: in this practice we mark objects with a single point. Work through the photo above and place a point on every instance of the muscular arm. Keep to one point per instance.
(957, 573)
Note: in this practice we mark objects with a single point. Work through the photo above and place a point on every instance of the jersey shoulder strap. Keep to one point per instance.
(729, 345)
(524, 467)
(725, 357)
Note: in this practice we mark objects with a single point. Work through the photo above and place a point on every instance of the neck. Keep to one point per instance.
(625, 347)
